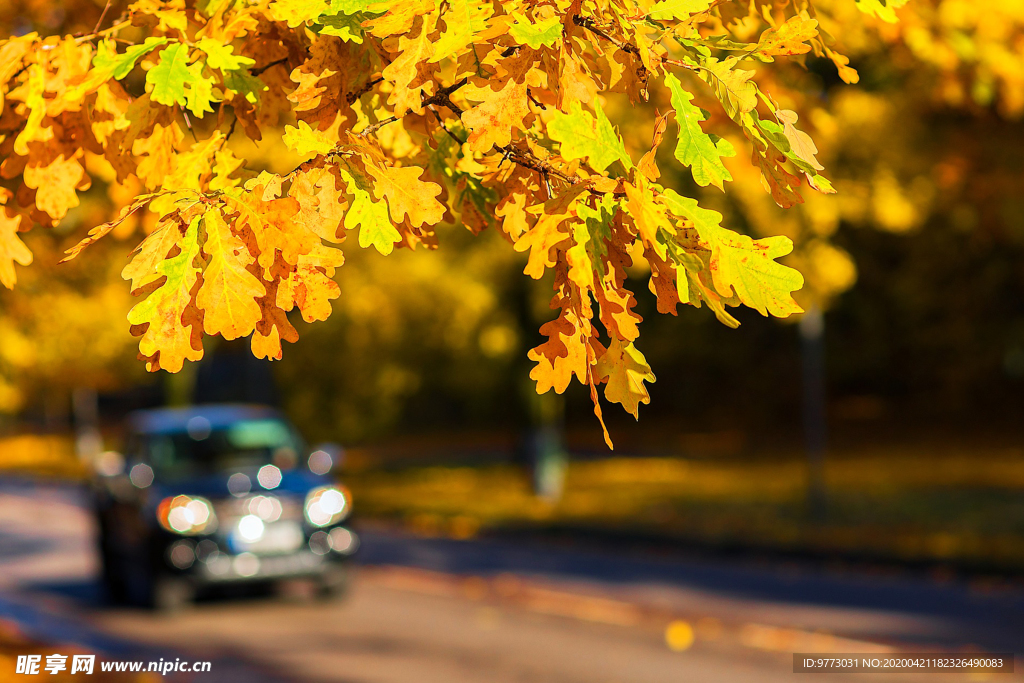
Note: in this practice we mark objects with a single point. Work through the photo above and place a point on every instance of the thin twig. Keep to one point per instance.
(105, 32)
(445, 128)
(363, 89)
(188, 124)
(103, 15)
(257, 72)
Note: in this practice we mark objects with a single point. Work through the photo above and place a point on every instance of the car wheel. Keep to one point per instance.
(334, 582)
(171, 593)
(111, 575)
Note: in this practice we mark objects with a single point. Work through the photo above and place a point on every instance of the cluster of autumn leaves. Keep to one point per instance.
(402, 115)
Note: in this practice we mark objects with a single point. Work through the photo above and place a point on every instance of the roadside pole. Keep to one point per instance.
(812, 348)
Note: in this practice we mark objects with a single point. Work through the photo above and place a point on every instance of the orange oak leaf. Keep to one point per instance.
(310, 286)
(545, 235)
(501, 109)
(560, 357)
(273, 327)
(272, 221)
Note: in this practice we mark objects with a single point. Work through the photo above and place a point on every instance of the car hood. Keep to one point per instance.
(294, 483)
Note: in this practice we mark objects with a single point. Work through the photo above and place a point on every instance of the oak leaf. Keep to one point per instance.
(12, 249)
(168, 338)
(583, 136)
(407, 194)
(463, 20)
(625, 369)
(168, 78)
(732, 86)
(546, 32)
(229, 291)
(368, 215)
(741, 264)
(677, 9)
(694, 148)
(789, 38)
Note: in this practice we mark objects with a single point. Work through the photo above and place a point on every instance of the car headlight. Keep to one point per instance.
(186, 515)
(327, 505)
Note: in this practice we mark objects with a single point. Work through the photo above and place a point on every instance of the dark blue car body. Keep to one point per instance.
(263, 529)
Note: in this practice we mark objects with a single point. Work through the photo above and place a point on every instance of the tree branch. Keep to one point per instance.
(363, 89)
(257, 72)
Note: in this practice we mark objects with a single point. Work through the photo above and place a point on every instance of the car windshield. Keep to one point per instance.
(202, 449)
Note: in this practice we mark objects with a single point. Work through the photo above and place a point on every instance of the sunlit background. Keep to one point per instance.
(887, 431)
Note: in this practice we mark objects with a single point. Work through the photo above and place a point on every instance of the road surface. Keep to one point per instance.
(436, 610)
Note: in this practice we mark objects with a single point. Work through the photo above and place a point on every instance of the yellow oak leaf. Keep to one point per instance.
(141, 270)
(625, 369)
(157, 152)
(33, 130)
(55, 184)
(407, 194)
(648, 216)
(305, 141)
(12, 249)
(789, 38)
(409, 72)
(733, 86)
(229, 291)
(322, 202)
(170, 335)
(399, 16)
(463, 20)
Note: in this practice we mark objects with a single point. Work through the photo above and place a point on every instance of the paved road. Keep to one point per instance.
(428, 610)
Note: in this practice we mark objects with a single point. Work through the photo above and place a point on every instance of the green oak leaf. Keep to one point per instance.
(120, 65)
(180, 273)
(694, 148)
(546, 32)
(243, 83)
(169, 76)
(585, 136)
(463, 20)
(219, 56)
(370, 216)
(200, 91)
(348, 27)
(741, 264)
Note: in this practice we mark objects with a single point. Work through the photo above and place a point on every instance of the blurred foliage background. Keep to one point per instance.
(917, 262)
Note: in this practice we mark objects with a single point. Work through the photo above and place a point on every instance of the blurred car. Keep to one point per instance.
(214, 495)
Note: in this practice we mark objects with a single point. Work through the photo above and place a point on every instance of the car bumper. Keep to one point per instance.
(225, 568)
